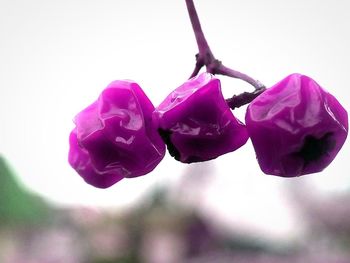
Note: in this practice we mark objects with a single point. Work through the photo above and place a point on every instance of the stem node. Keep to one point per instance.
(206, 58)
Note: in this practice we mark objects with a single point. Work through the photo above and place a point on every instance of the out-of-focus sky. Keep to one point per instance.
(57, 56)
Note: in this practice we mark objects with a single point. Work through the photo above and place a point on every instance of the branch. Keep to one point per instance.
(244, 98)
(202, 43)
(222, 70)
(198, 67)
(205, 56)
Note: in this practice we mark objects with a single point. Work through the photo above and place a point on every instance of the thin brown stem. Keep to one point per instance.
(244, 98)
(223, 70)
(206, 58)
(202, 43)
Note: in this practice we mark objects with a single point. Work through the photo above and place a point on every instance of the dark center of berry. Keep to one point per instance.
(166, 136)
(314, 148)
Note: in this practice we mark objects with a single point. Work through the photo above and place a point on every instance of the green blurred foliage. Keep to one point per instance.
(17, 205)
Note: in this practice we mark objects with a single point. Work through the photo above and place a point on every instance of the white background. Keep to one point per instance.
(57, 56)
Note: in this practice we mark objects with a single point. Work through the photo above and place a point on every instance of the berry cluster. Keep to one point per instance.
(296, 127)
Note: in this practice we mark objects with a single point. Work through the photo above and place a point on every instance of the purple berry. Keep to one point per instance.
(114, 137)
(296, 127)
(196, 123)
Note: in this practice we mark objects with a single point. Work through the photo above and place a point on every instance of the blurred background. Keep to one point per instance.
(57, 56)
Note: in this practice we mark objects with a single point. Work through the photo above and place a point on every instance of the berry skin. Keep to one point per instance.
(114, 137)
(296, 127)
(196, 123)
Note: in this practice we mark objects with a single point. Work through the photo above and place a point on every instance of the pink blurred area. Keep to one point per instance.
(169, 225)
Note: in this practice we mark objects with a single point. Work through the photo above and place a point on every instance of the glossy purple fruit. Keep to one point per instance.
(296, 127)
(114, 137)
(196, 123)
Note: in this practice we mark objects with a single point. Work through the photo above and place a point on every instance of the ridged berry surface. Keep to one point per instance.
(296, 127)
(196, 123)
(114, 137)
